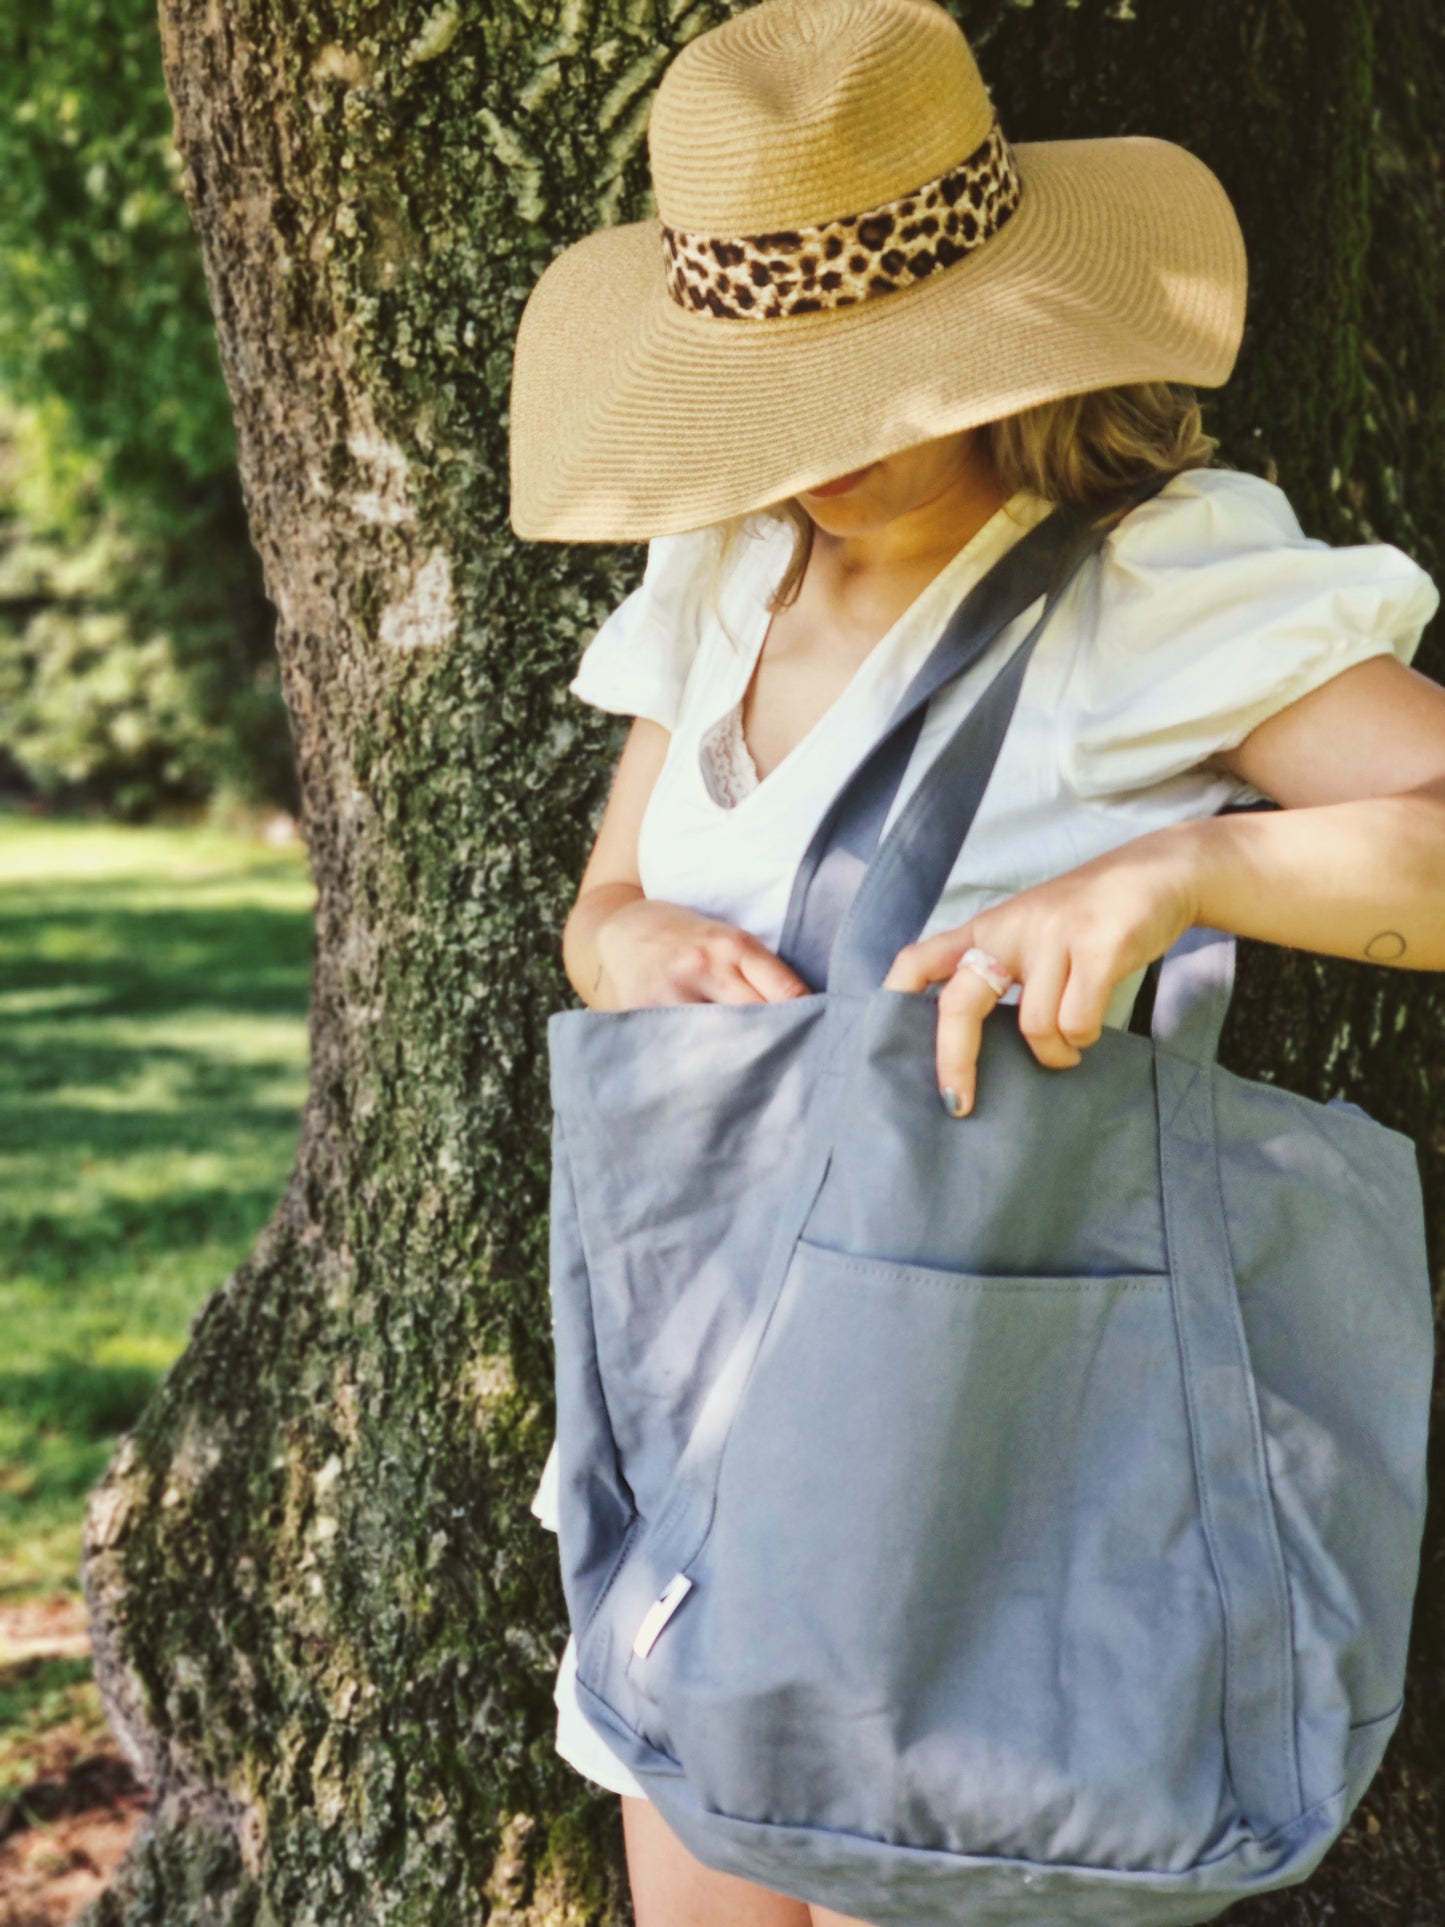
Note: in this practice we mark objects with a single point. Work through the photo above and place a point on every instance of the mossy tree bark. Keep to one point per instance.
(326, 1621)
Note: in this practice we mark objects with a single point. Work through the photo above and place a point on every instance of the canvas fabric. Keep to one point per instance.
(1013, 1518)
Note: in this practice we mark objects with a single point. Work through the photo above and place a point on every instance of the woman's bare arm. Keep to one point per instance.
(1354, 865)
(622, 949)
(1351, 865)
(610, 878)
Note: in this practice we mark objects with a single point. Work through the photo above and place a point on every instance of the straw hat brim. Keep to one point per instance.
(631, 416)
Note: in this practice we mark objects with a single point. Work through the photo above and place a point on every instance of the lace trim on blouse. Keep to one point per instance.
(727, 766)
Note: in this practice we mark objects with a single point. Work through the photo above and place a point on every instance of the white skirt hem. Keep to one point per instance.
(580, 1745)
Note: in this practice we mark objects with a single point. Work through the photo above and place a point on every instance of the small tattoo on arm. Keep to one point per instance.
(1387, 947)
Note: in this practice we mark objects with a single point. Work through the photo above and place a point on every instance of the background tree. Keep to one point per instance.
(326, 1620)
(137, 666)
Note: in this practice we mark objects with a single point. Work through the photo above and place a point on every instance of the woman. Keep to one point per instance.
(1040, 310)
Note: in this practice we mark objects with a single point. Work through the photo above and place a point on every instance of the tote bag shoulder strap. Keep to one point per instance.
(855, 901)
(842, 846)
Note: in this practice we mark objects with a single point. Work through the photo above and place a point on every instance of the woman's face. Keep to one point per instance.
(871, 497)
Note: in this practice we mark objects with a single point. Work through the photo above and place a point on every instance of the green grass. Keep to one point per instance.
(153, 990)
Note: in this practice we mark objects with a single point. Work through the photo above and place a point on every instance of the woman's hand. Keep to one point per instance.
(1068, 941)
(662, 953)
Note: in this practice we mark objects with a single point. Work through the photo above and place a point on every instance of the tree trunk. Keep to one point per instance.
(326, 1621)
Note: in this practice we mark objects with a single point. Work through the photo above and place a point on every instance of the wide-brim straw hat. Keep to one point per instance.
(790, 315)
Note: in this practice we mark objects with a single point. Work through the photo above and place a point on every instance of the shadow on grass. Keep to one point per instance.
(87, 1401)
(244, 960)
(63, 1245)
(194, 1088)
(152, 1068)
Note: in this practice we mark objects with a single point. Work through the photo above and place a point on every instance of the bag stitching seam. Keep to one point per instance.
(1279, 1578)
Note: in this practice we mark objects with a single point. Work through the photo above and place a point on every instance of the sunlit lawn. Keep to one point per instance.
(153, 991)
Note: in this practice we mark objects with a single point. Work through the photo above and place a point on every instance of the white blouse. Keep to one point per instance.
(1209, 611)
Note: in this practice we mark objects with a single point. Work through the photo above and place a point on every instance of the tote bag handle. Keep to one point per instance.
(849, 903)
(838, 856)
(854, 904)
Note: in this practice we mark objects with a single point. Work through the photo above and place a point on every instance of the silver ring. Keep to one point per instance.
(984, 964)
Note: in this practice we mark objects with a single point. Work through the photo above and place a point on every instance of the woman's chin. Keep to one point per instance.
(841, 485)
(856, 511)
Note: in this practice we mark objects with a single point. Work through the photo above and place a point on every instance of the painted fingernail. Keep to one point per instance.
(954, 1102)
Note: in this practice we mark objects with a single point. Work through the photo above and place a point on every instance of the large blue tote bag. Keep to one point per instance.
(1013, 1518)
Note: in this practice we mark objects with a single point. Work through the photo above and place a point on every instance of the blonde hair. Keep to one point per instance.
(1078, 448)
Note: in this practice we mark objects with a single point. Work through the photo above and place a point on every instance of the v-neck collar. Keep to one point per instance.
(1011, 518)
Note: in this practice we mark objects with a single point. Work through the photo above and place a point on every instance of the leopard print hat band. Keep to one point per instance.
(808, 159)
(853, 257)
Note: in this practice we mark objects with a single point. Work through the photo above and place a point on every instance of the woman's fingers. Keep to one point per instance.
(663, 953)
(727, 980)
(1084, 1000)
(919, 964)
(732, 969)
(685, 974)
(769, 975)
(1067, 943)
(963, 1004)
(1039, 1010)
(1060, 1008)
(1062, 997)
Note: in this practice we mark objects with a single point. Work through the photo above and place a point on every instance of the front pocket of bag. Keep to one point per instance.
(955, 1594)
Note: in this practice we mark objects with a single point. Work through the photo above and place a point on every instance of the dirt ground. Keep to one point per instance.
(71, 1810)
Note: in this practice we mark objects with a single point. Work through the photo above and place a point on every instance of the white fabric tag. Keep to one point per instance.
(659, 1612)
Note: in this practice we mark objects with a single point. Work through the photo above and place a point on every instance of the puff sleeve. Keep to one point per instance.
(1214, 611)
(637, 663)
